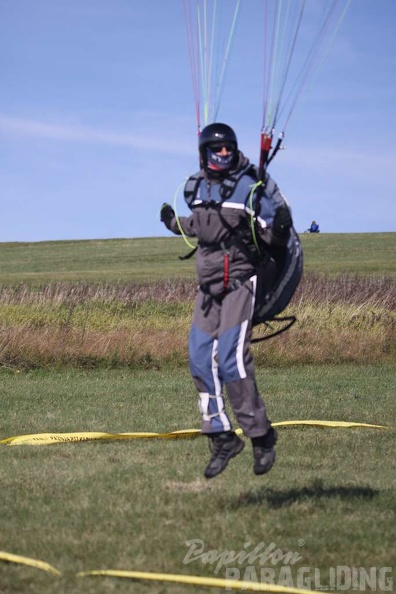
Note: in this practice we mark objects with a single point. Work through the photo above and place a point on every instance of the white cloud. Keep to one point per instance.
(150, 137)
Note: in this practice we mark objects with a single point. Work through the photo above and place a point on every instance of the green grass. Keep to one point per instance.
(361, 253)
(157, 258)
(132, 505)
(94, 261)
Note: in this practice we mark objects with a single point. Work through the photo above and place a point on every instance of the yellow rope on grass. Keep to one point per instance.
(195, 581)
(52, 438)
(10, 558)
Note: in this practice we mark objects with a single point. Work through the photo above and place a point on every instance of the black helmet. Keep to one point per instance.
(214, 134)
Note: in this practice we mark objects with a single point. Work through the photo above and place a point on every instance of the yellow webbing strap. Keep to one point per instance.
(10, 558)
(52, 438)
(195, 580)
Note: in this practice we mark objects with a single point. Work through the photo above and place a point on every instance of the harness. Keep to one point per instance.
(278, 269)
(227, 187)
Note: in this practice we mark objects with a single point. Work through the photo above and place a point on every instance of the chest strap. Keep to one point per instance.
(227, 187)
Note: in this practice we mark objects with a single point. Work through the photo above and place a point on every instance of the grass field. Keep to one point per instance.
(345, 319)
(147, 258)
(134, 504)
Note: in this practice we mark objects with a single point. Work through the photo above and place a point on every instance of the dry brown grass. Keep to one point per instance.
(169, 291)
(347, 288)
(345, 318)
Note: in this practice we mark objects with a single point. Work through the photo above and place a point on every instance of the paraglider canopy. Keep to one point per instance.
(296, 36)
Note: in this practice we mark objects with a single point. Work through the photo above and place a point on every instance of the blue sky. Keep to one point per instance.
(98, 126)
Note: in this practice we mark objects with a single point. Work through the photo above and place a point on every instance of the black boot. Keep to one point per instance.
(224, 447)
(263, 452)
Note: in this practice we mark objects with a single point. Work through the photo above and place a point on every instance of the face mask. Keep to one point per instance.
(219, 162)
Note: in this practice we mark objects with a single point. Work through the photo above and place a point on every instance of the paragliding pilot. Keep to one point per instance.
(223, 209)
(314, 228)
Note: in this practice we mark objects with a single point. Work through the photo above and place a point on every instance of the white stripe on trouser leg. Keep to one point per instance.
(239, 350)
(221, 413)
(215, 369)
(203, 405)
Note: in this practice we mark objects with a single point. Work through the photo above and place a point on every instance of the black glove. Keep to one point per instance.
(167, 214)
(281, 223)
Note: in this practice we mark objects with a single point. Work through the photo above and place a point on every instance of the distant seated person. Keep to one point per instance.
(314, 228)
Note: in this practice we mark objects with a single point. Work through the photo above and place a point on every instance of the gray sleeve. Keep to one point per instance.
(183, 224)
